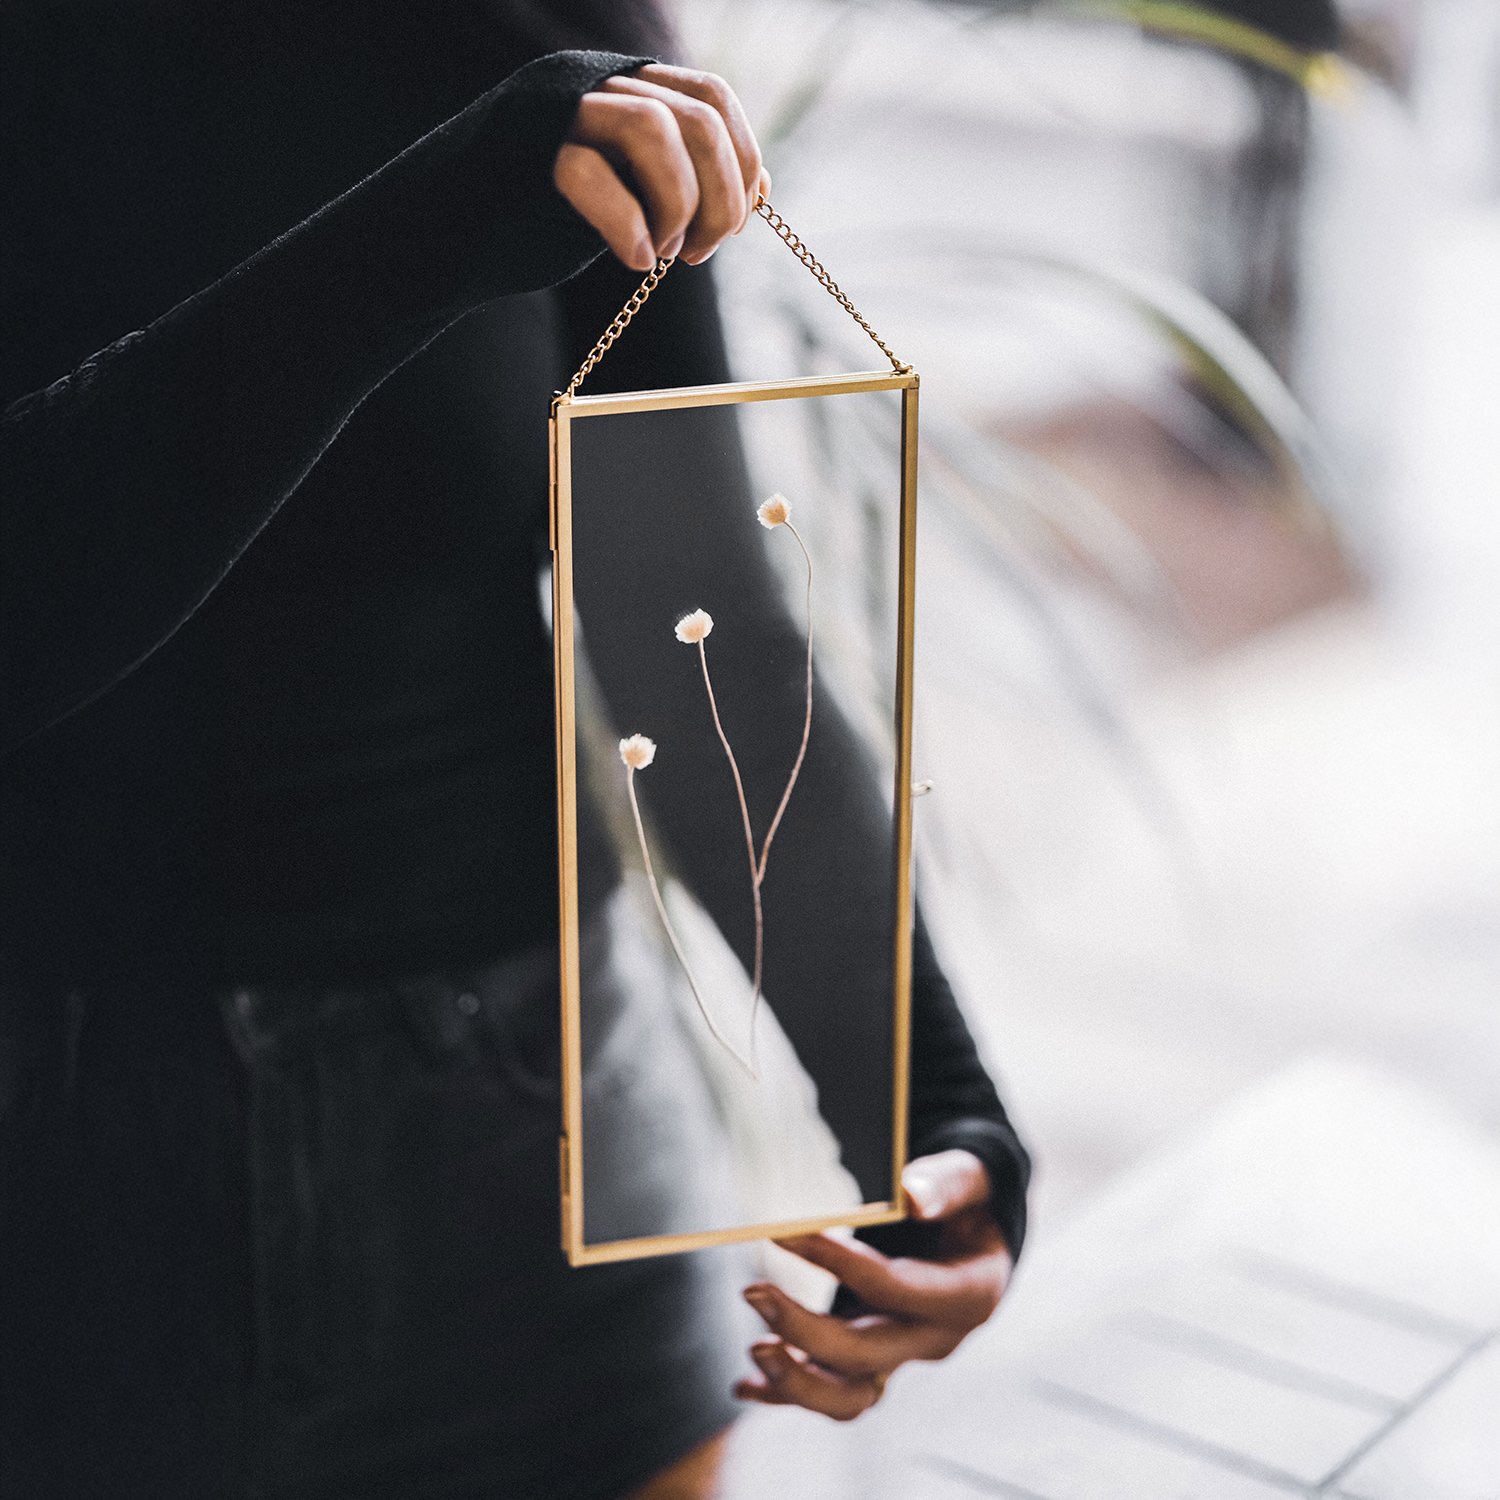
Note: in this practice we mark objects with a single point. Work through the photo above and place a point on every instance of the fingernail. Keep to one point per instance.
(769, 1357)
(673, 248)
(645, 254)
(763, 1302)
(923, 1193)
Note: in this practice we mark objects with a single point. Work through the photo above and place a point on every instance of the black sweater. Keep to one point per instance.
(329, 752)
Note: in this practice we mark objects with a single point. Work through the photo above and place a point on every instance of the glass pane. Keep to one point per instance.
(716, 848)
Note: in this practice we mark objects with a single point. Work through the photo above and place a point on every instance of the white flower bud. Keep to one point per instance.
(638, 751)
(774, 512)
(694, 627)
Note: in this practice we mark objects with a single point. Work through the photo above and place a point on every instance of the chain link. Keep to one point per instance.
(785, 233)
(620, 324)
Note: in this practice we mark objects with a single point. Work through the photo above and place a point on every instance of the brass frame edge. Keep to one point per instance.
(736, 393)
(570, 1161)
(565, 410)
(905, 916)
(672, 1244)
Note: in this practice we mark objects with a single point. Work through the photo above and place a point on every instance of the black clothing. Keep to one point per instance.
(301, 1244)
(344, 765)
(326, 756)
(305, 781)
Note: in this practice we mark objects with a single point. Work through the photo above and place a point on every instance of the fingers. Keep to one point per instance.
(678, 144)
(920, 1309)
(961, 1294)
(944, 1183)
(593, 187)
(714, 92)
(723, 196)
(860, 1347)
(790, 1381)
(641, 137)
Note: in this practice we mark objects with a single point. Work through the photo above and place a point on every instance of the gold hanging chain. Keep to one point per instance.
(620, 324)
(785, 232)
(788, 237)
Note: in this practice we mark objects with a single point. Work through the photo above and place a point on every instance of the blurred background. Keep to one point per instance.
(1206, 304)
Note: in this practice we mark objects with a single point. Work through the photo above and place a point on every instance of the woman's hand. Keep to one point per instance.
(662, 162)
(917, 1309)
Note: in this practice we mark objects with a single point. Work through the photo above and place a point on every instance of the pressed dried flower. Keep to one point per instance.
(784, 518)
(693, 628)
(638, 751)
(774, 512)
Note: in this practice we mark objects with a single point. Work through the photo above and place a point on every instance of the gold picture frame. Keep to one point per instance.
(568, 410)
(638, 751)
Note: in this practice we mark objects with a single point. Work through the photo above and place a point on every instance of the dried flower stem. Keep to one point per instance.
(666, 922)
(786, 796)
(638, 751)
(739, 787)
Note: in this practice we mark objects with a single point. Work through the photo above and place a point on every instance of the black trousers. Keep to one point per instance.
(304, 1242)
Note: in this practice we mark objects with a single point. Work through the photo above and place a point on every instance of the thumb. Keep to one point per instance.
(942, 1184)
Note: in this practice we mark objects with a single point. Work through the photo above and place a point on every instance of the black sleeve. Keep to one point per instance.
(954, 1105)
(677, 340)
(129, 487)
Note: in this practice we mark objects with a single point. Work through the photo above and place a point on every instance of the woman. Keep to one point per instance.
(279, 1213)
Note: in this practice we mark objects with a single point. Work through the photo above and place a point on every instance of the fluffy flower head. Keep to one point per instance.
(774, 512)
(694, 627)
(638, 751)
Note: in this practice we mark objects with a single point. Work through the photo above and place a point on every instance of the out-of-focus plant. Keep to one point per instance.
(980, 479)
(1305, 53)
(1316, 68)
